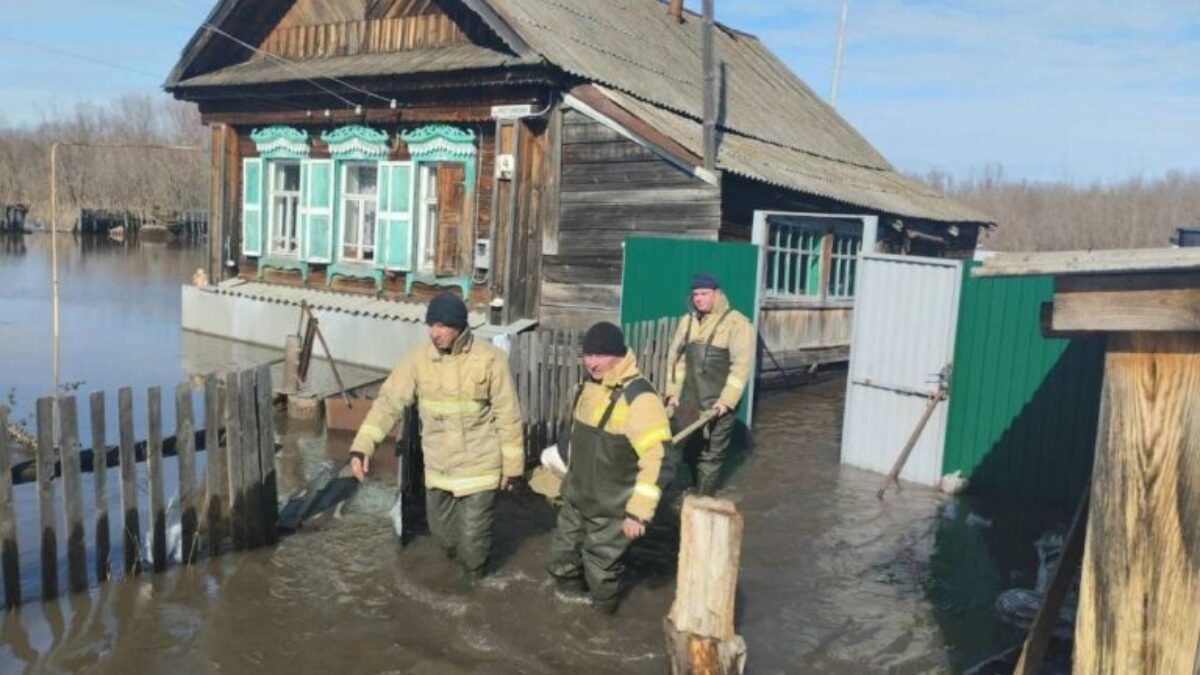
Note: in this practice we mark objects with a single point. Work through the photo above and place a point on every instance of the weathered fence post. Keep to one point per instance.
(233, 442)
(266, 455)
(214, 461)
(154, 471)
(251, 470)
(68, 450)
(185, 448)
(45, 474)
(130, 523)
(100, 486)
(699, 629)
(8, 522)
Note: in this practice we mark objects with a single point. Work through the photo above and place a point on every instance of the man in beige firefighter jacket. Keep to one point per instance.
(619, 436)
(712, 359)
(471, 433)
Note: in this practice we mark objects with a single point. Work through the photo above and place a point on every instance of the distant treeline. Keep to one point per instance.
(1136, 212)
(145, 182)
(1036, 216)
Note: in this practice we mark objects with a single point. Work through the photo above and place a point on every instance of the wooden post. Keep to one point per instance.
(1139, 600)
(185, 439)
(154, 473)
(102, 533)
(45, 474)
(9, 554)
(233, 440)
(1139, 604)
(213, 462)
(130, 525)
(251, 471)
(69, 449)
(699, 630)
(266, 455)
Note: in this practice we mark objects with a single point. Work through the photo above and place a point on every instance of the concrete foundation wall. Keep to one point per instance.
(371, 342)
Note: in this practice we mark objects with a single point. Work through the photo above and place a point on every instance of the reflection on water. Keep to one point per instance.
(832, 580)
(119, 318)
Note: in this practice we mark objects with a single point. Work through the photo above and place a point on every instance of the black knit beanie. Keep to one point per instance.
(447, 309)
(704, 280)
(604, 339)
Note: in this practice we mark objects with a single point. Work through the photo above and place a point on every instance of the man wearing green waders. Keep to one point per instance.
(712, 360)
(619, 436)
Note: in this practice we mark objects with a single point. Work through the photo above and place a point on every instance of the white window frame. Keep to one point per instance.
(843, 264)
(426, 231)
(344, 195)
(273, 166)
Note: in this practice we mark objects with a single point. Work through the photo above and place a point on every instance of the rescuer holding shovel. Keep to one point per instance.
(712, 359)
(619, 436)
(471, 434)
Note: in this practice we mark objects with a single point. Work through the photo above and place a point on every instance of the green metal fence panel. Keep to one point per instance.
(1023, 408)
(657, 275)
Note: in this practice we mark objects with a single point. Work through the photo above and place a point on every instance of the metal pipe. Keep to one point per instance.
(836, 81)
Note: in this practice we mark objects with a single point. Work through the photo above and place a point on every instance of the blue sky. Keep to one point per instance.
(1079, 90)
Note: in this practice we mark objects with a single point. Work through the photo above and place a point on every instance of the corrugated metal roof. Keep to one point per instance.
(266, 71)
(634, 46)
(330, 301)
(878, 189)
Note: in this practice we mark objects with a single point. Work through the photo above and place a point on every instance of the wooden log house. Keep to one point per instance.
(507, 148)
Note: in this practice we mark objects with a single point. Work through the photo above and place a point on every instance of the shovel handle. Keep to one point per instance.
(691, 428)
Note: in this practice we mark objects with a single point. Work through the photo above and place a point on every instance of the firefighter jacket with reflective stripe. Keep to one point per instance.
(470, 421)
(719, 348)
(619, 437)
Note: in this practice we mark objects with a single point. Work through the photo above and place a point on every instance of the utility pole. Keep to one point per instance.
(708, 58)
(837, 56)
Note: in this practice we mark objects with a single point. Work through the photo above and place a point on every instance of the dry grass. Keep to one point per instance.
(1032, 216)
(134, 180)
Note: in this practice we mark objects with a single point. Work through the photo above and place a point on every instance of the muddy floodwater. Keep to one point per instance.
(832, 580)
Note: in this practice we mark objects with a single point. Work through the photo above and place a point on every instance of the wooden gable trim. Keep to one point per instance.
(498, 25)
(592, 102)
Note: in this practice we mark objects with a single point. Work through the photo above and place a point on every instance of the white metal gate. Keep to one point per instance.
(905, 317)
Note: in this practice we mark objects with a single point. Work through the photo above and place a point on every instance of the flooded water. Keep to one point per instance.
(832, 580)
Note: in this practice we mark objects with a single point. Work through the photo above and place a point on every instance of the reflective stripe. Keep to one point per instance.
(651, 492)
(735, 382)
(462, 484)
(651, 438)
(372, 432)
(451, 406)
(510, 451)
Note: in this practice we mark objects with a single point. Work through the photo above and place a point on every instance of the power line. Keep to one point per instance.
(81, 57)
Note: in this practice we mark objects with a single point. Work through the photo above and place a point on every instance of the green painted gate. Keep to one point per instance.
(657, 274)
(1023, 408)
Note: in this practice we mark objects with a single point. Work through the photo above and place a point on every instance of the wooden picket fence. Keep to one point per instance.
(235, 503)
(547, 366)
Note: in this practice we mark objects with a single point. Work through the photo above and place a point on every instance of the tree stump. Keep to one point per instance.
(700, 638)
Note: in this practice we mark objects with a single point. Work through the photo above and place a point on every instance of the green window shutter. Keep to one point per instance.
(394, 231)
(316, 210)
(252, 206)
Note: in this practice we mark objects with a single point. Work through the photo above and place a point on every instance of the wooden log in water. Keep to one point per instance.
(101, 531)
(68, 426)
(266, 456)
(185, 432)
(26, 472)
(233, 443)
(699, 630)
(9, 553)
(154, 474)
(45, 463)
(215, 508)
(130, 523)
(251, 470)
